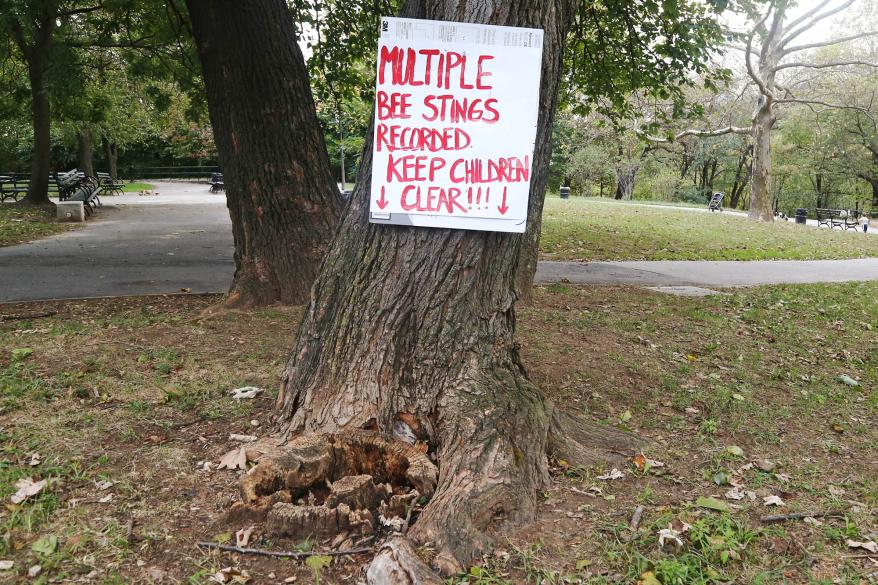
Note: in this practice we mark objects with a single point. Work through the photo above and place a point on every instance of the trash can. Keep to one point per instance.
(565, 192)
(801, 215)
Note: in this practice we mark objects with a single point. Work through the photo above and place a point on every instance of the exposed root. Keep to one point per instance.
(397, 563)
(586, 443)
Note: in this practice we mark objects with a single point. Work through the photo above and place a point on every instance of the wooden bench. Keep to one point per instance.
(216, 183)
(108, 185)
(838, 218)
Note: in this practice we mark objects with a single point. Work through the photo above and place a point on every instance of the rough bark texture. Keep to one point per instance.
(85, 152)
(625, 178)
(36, 56)
(415, 327)
(282, 198)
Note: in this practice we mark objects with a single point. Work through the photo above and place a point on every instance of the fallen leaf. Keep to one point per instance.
(34, 571)
(614, 474)
(27, 487)
(812, 521)
(105, 499)
(649, 578)
(243, 438)
(738, 397)
(35, 459)
(870, 546)
(185, 290)
(246, 392)
(104, 485)
(669, 535)
(735, 450)
(223, 537)
(234, 459)
(21, 353)
(772, 501)
(836, 491)
(45, 545)
(230, 575)
(766, 465)
(845, 379)
(242, 537)
(625, 416)
(6, 565)
(734, 494)
(712, 503)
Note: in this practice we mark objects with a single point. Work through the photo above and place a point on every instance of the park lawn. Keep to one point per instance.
(591, 229)
(22, 224)
(135, 391)
(137, 187)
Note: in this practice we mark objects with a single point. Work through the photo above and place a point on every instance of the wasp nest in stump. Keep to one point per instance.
(323, 485)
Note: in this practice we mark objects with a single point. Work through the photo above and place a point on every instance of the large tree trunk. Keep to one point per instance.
(38, 190)
(416, 326)
(282, 198)
(760, 192)
(85, 151)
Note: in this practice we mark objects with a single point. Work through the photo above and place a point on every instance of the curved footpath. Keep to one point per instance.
(181, 239)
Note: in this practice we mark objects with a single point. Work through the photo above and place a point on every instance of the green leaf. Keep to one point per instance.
(844, 379)
(721, 478)
(712, 504)
(735, 450)
(318, 562)
(46, 545)
(21, 353)
(223, 537)
(626, 416)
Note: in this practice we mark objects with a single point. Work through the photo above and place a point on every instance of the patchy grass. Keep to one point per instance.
(136, 187)
(135, 391)
(19, 223)
(590, 229)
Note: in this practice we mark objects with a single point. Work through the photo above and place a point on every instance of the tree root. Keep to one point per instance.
(583, 442)
(397, 563)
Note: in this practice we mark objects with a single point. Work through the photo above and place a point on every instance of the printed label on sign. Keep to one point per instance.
(455, 123)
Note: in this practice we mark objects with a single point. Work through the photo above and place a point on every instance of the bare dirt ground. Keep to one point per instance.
(763, 393)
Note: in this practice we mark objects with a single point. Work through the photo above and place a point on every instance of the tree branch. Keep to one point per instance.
(823, 65)
(699, 134)
(71, 12)
(830, 42)
(757, 80)
(807, 25)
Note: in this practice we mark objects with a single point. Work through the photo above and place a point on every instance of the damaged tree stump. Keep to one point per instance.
(327, 485)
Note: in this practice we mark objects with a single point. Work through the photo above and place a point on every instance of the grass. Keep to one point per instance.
(22, 224)
(589, 229)
(135, 391)
(136, 187)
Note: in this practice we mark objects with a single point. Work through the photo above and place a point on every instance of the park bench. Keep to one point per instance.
(108, 185)
(13, 186)
(77, 186)
(716, 202)
(216, 183)
(838, 218)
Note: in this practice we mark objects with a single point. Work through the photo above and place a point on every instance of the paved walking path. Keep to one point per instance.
(182, 239)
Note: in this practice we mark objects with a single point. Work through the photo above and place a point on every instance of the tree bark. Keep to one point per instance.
(85, 151)
(625, 178)
(416, 326)
(36, 56)
(282, 197)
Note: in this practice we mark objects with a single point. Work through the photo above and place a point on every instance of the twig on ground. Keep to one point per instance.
(23, 316)
(798, 516)
(635, 518)
(129, 530)
(281, 553)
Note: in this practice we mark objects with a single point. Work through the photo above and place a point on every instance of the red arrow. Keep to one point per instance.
(382, 203)
(503, 208)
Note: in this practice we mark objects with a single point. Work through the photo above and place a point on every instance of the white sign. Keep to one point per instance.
(455, 124)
